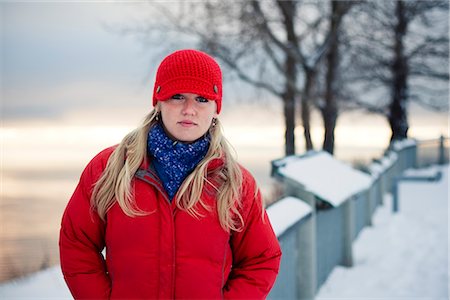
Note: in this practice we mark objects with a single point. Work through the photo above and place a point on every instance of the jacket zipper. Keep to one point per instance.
(223, 269)
(140, 175)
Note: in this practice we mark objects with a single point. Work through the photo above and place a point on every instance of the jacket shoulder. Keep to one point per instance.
(103, 155)
(248, 181)
(250, 194)
(97, 164)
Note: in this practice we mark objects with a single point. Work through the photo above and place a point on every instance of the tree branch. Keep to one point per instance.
(289, 49)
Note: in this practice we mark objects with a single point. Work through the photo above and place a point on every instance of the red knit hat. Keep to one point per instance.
(188, 71)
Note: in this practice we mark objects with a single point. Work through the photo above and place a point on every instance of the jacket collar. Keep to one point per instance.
(147, 173)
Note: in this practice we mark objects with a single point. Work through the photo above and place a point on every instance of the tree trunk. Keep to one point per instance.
(289, 104)
(305, 109)
(329, 112)
(289, 118)
(288, 9)
(398, 119)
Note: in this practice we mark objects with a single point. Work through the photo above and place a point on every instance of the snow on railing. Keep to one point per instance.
(321, 169)
(405, 143)
(293, 222)
(286, 212)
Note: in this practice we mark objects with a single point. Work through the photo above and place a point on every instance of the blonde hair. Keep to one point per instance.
(115, 181)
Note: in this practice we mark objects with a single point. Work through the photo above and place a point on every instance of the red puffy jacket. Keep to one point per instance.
(166, 254)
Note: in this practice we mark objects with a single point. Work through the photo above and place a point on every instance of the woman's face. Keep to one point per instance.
(186, 117)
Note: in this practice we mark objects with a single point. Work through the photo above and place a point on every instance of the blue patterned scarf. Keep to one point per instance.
(174, 160)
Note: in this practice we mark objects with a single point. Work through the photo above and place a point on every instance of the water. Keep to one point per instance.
(31, 206)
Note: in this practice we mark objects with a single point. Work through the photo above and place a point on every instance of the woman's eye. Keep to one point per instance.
(177, 97)
(201, 99)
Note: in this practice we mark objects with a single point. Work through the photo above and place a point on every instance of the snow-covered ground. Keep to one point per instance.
(47, 284)
(402, 256)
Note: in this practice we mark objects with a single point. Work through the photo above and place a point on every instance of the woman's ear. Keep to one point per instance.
(157, 111)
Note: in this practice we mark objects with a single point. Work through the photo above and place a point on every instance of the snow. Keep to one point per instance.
(388, 160)
(431, 172)
(402, 256)
(288, 159)
(326, 177)
(378, 167)
(46, 284)
(286, 212)
(375, 169)
(400, 145)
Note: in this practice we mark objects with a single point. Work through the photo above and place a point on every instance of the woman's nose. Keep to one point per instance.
(189, 107)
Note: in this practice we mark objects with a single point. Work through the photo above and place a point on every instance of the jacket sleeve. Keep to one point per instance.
(256, 252)
(82, 241)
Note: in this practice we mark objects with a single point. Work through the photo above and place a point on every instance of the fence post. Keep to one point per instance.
(382, 186)
(349, 228)
(380, 194)
(441, 150)
(307, 256)
(395, 194)
(414, 154)
(370, 203)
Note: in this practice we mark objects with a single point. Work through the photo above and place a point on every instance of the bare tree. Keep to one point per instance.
(292, 47)
(331, 95)
(399, 53)
(319, 38)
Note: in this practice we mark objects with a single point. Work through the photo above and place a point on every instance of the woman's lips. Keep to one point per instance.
(187, 123)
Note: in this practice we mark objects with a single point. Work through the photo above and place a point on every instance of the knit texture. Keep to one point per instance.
(188, 71)
(174, 160)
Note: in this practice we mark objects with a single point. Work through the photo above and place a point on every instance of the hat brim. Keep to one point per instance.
(186, 85)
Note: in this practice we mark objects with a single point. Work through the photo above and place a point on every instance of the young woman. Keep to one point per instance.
(178, 216)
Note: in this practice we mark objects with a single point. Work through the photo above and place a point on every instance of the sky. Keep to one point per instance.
(59, 58)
